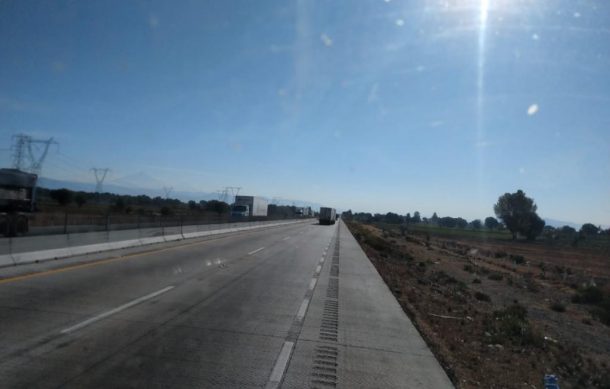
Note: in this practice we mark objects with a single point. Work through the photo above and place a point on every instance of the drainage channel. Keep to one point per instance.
(325, 362)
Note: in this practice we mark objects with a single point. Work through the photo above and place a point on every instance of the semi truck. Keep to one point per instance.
(327, 215)
(17, 197)
(249, 206)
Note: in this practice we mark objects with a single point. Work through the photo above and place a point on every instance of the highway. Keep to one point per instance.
(297, 306)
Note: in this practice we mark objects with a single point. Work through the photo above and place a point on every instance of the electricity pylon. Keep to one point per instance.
(100, 176)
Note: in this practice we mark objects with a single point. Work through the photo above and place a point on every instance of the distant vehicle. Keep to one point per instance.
(327, 215)
(303, 211)
(16, 201)
(249, 206)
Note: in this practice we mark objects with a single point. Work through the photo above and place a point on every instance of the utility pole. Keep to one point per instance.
(100, 176)
(167, 190)
(24, 156)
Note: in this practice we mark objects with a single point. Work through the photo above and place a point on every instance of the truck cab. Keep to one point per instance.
(17, 196)
(239, 211)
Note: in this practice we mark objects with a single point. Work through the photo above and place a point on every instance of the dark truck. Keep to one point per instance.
(327, 215)
(17, 196)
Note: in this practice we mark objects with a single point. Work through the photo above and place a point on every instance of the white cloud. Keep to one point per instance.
(326, 40)
(153, 21)
(532, 109)
(400, 22)
(277, 48)
(58, 66)
(373, 96)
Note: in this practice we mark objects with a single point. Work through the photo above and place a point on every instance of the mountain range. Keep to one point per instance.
(142, 184)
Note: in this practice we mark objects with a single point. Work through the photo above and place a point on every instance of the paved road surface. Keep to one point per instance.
(294, 307)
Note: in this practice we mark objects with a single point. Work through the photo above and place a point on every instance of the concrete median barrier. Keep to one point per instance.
(43, 248)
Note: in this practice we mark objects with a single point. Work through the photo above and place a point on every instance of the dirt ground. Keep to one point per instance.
(499, 314)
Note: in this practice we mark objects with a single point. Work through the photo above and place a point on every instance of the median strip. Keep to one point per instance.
(115, 310)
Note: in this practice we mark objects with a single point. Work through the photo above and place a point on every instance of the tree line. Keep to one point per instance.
(514, 212)
(146, 205)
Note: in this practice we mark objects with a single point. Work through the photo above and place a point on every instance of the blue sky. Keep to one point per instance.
(370, 105)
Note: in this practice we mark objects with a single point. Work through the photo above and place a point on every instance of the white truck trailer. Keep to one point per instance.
(249, 206)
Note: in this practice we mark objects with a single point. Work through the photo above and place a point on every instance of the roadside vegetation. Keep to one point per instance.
(63, 206)
(499, 307)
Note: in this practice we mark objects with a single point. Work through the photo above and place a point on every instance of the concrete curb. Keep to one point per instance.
(45, 255)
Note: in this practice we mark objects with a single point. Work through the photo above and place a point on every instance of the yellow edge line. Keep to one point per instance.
(102, 261)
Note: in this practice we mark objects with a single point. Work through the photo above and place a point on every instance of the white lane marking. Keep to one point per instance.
(280, 366)
(302, 309)
(322, 260)
(318, 269)
(255, 251)
(115, 310)
(312, 283)
(286, 238)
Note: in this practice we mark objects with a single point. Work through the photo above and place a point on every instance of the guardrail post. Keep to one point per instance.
(66, 222)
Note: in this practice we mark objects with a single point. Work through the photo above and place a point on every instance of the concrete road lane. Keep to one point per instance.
(241, 311)
(229, 306)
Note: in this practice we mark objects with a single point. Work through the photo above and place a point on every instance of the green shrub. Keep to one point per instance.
(406, 257)
(377, 243)
(468, 268)
(510, 325)
(519, 259)
(482, 296)
(602, 311)
(558, 307)
(496, 276)
(588, 295)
